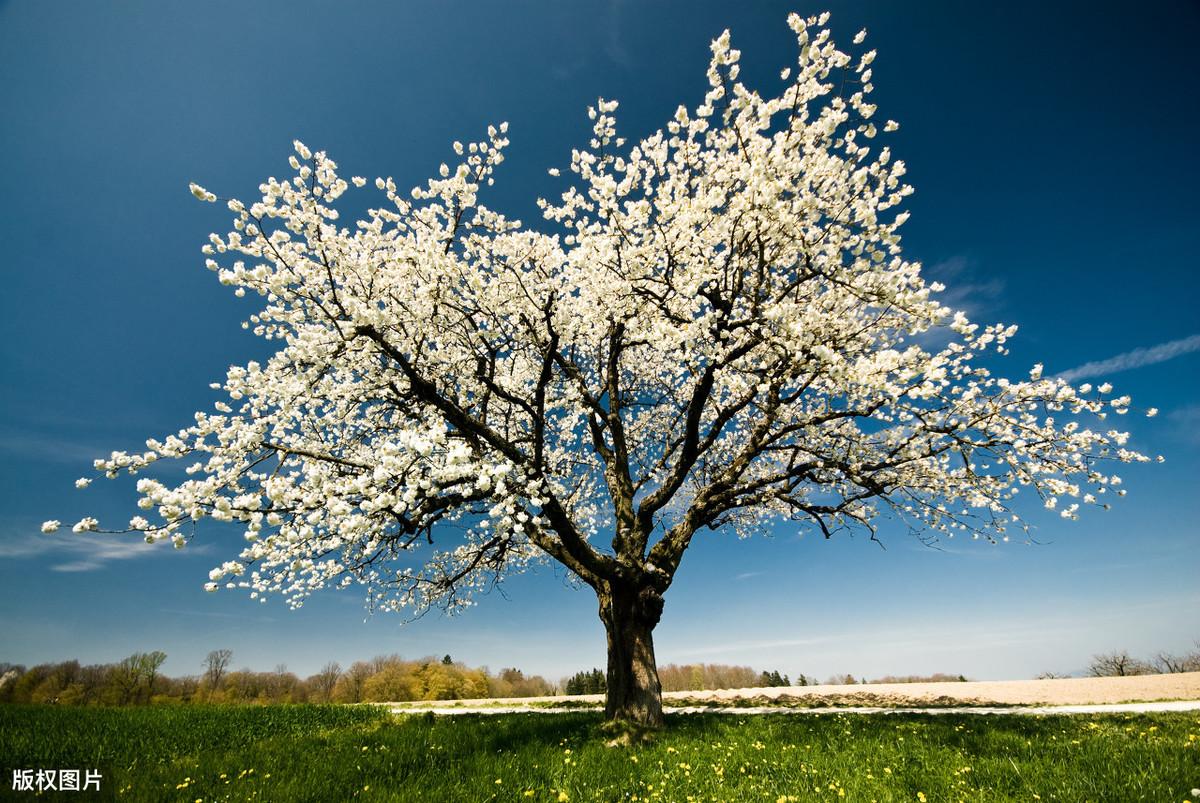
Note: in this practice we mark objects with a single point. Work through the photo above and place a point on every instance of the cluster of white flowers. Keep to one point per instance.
(723, 329)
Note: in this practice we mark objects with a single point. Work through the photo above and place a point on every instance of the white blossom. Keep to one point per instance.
(713, 327)
(201, 193)
(86, 524)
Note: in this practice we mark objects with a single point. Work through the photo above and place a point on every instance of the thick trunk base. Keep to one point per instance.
(634, 692)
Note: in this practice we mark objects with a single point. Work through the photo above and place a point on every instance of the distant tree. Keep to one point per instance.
(216, 663)
(1166, 662)
(149, 665)
(512, 682)
(393, 683)
(773, 679)
(1117, 664)
(125, 678)
(349, 688)
(323, 682)
(592, 682)
(185, 688)
(56, 682)
(284, 686)
(446, 659)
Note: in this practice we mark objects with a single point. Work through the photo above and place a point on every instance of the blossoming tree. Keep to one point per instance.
(715, 329)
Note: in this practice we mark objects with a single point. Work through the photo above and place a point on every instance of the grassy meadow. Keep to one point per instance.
(342, 753)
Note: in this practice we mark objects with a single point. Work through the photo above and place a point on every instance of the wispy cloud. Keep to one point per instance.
(965, 289)
(80, 553)
(1186, 421)
(1134, 359)
(217, 615)
(614, 47)
(747, 575)
(50, 449)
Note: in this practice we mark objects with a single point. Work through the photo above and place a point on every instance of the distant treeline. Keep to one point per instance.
(936, 677)
(701, 677)
(1120, 663)
(689, 677)
(137, 680)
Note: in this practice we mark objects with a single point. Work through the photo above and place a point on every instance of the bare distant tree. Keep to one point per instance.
(349, 688)
(1117, 664)
(323, 682)
(216, 663)
(1170, 663)
(842, 680)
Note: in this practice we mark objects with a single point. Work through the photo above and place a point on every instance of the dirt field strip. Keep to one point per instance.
(1143, 693)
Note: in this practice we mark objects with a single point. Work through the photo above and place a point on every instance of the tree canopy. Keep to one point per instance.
(714, 327)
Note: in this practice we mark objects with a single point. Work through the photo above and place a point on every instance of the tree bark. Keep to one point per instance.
(634, 692)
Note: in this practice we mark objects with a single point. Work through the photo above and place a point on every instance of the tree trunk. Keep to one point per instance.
(629, 616)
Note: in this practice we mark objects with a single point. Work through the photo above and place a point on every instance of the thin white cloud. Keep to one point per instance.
(80, 553)
(50, 449)
(217, 615)
(1186, 421)
(965, 289)
(1134, 359)
(614, 47)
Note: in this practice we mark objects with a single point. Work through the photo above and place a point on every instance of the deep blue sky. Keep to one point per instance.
(1052, 146)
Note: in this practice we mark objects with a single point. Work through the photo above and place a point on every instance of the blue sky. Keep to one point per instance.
(1052, 149)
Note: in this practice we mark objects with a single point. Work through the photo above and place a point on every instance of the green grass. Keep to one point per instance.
(330, 753)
